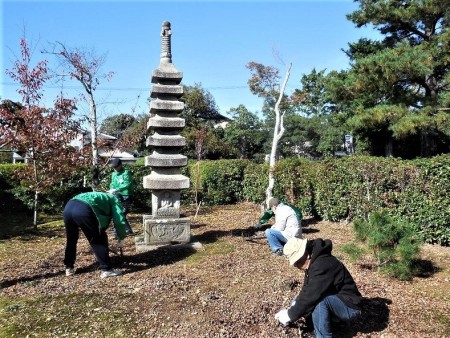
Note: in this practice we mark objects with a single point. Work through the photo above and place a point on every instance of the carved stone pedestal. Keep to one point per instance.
(159, 231)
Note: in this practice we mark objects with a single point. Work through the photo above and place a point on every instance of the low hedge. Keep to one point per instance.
(355, 187)
(11, 192)
(349, 188)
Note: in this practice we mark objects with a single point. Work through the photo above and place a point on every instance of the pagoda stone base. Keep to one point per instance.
(142, 247)
(158, 231)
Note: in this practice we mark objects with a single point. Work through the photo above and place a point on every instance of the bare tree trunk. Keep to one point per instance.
(84, 66)
(388, 147)
(36, 195)
(93, 125)
(277, 134)
(94, 132)
(94, 135)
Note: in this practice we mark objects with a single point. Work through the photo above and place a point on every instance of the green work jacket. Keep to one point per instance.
(122, 182)
(105, 207)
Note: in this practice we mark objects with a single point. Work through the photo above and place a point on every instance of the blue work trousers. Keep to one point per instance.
(331, 306)
(78, 215)
(276, 239)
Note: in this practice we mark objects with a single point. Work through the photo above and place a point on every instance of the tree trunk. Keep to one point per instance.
(277, 134)
(427, 143)
(93, 125)
(94, 143)
(36, 195)
(388, 147)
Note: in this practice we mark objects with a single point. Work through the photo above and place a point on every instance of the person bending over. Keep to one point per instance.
(91, 212)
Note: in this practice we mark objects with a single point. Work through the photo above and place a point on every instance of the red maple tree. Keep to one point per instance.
(43, 134)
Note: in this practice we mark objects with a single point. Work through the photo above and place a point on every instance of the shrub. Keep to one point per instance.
(255, 182)
(13, 196)
(334, 189)
(331, 188)
(392, 242)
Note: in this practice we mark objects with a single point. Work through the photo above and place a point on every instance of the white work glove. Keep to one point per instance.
(112, 191)
(283, 317)
(121, 243)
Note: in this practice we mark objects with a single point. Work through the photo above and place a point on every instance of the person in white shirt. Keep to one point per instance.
(286, 226)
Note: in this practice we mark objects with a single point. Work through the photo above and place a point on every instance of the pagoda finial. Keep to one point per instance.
(166, 33)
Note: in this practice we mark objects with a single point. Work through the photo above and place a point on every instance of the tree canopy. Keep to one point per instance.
(42, 134)
(116, 125)
(245, 133)
(397, 89)
(199, 106)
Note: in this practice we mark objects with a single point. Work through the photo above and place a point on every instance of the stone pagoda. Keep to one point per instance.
(164, 225)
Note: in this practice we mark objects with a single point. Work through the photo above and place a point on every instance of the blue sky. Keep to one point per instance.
(212, 41)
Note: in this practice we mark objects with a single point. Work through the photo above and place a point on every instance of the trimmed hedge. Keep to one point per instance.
(221, 182)
(355, 187)
(12, 194)
(349, 188)
(294, 179)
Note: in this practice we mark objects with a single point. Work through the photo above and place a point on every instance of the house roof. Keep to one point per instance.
(99, 135)
(123, 154)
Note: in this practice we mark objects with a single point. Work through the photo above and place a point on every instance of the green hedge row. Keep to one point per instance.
(334, 189)
(11, 191)
(354, 187)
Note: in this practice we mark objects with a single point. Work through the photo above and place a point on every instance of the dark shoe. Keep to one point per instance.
(278, 252)
(129, 232)
(304, 333)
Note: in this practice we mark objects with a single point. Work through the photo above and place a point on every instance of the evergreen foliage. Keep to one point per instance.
(245, 133)
(116, 125)
(397, 89)
(200, 105)
(391, 241)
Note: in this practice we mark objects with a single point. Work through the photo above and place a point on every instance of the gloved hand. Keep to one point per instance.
(112, 191)
(120, 243)
(283, 317)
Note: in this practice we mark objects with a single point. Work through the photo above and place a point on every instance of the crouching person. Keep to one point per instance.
(92, 213)
(287, 225)
(329, 292)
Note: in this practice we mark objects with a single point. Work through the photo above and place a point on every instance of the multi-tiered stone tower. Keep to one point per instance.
(165, 225)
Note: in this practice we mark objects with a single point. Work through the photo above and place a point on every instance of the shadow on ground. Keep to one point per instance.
(146, 260)
(374, 318)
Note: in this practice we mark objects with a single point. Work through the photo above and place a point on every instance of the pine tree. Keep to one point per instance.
(398, 88)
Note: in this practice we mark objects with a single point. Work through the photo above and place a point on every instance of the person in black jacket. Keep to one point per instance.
(328, 292)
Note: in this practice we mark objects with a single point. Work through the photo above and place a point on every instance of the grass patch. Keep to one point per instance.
(220, 247)
(50, 220)
(21, 224)
(77, 314)
(445, 322)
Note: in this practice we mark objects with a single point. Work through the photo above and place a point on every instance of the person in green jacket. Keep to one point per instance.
(91, 212)
(122, 186)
